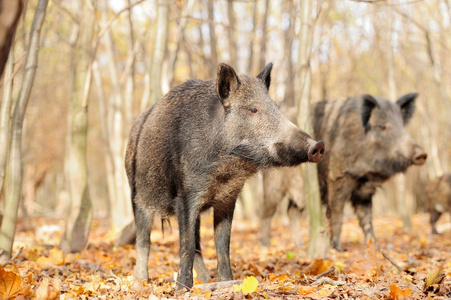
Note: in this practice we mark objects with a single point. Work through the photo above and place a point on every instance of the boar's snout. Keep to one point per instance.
(419, 156)
(316, 152)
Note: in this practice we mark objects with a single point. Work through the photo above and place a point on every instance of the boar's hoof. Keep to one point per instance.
(316, 152)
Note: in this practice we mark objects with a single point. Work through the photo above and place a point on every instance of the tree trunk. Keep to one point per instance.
(288, 98)
(170, 66)
(250, 65)
(159, 50)
(114, 133)
(10, 11)
(440, 163)
(5, 116)
(14, 177)
(213, 43)
(78, 224)
(262, 50)
(319, 242)
(400, 179)
(231, 34)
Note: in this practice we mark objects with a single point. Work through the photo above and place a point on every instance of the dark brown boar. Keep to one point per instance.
(194, 149)
(438, 194)
(367, 144)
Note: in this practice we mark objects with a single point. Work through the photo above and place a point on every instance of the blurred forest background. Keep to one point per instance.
(118, 57)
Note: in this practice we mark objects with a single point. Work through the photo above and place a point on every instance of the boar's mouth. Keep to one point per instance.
(259, 158)
(287, 156)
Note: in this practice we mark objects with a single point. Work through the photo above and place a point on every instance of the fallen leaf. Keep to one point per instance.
(10, 284)
(48, 289)
(319, 266)
(398, 293)
(248, 286)
(340, 266)
(434, 276)
(56, 256)
(307, 290)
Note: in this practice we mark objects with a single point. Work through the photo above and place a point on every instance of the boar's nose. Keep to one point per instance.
(419, 156)
(316, 152)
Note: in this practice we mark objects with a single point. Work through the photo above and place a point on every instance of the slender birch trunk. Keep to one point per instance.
(15, 164)
(10, 12)
(159, 50)
(399, 179)
(252, 34)
(78, 224)
(233, 60)
(5, 116)
(288, 98)
(262, 50)
(319, 242)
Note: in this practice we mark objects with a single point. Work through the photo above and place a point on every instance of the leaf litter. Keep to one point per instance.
(282, 271)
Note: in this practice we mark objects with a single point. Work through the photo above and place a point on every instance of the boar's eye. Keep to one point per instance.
(254, 110)
(382, 127)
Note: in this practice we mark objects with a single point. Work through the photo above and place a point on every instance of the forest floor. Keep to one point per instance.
(282, 271)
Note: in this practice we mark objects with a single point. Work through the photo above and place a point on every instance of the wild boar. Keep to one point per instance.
(193, 150)
(367, 144)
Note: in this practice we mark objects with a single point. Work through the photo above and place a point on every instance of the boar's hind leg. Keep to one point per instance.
(223, 226)
(199, 265)
(143, 220)
(364, 211)
(295, 214)
(435, 215)
(268, 211)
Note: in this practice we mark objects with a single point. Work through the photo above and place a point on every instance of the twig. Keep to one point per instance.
(330, 270)
(217, 285)
(10, 261)
(327, 280)
(392, 261)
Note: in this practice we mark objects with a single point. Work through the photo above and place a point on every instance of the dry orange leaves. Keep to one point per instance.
(281, 271)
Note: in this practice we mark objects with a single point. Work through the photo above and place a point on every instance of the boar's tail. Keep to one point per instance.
(167, 221)
(132, 153)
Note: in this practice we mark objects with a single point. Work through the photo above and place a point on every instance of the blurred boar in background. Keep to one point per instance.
(438, 193)
(194, 149)
(367, 144)
(279, 184)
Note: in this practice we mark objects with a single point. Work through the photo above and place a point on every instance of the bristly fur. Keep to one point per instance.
(366, 145)
(194, 149)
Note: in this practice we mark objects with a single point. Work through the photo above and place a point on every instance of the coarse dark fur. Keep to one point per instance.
(367, 144)
(438, 194)
(193, 151)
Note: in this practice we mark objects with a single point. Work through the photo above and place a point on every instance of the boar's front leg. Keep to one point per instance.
(199, 265)
(187, 217)
(223, 226)
(363, 206)
(339, 191)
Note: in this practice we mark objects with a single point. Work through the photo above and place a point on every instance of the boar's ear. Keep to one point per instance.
(265, 75)
(407, 105)
(227, 82)
(369, 102)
